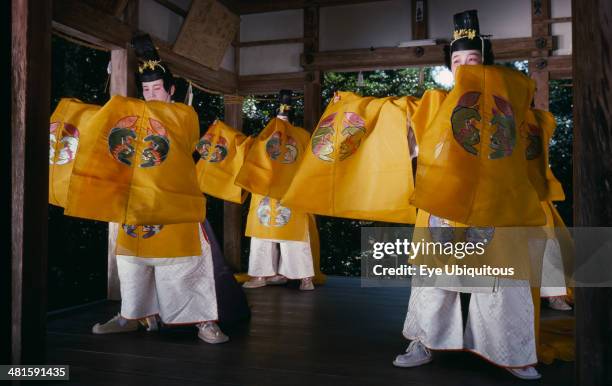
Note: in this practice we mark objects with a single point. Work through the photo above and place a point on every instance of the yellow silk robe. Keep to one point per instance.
(135, 166)
(273, 159)
(358, 163)
(65, 130)
(472, 167)
(162, 241)
(267, 172)
(222, 151)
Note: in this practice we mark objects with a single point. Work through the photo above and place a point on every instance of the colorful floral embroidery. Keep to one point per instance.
(353, 130)
(534, 138)
(322, 144)
(69, 143)
(220, 148)
(271, 213)
(147, 231)
(463, 120)
(503, 139)
(275, 147)
(440, 229)
(159, 145)
(220, 151)
(121, 138)
(52, 141)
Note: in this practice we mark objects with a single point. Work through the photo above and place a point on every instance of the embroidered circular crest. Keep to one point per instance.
(219, 150)
(147, 231)
(463, 122)
(503, 140)
(440, 229)
(69, 143)
(121, 140)
(353, 130)
(322, 144)
(158, 145)
(285, 152)
(271, 213)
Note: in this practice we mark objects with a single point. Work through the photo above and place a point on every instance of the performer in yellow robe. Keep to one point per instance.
(222, 152)
(472, 173)
(135, 167)
(268, 170)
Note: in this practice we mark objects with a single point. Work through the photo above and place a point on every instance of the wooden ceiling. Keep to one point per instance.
(244, 7)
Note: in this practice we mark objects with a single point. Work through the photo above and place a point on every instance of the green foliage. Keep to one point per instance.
(380, 83)
(561, 145)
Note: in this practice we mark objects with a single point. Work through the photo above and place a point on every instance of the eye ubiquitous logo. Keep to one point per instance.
(282, 148)
(271, 213)
(68, 137)
(210, 150)
(122, 142)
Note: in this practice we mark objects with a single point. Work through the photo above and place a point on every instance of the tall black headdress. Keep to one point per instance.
(150, 66)
(284, 100)
(466, 36)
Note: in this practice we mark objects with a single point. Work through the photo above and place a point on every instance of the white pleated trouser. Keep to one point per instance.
(180, 290)
(552, 270)
(500, 325)
(293, 262)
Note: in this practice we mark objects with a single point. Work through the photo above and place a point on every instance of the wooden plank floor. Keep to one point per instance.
(339, 334)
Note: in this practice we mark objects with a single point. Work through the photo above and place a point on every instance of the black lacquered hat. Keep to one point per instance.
(466, 33)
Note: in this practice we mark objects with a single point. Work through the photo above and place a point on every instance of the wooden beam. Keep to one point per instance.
(85, 22)
(243, 7)
(591, 41)
(271, 83)
(257, 43)
(232, 213)
(30, 111)
(172, 7)
(560, 67)
(419, 19)
(394, 57)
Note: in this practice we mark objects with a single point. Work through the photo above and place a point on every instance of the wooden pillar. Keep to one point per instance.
(538, 65)
(5, 207)
(232, 213)
(419, 19)
(312, 86)
(122, 82)
(30, 111)
(592, 39)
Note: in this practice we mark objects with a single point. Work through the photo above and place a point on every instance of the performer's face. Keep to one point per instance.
(465, 57)
(155, 91)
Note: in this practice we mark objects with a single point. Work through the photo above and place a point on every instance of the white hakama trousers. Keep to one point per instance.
(500, 324)
(294, 260)
(552, 270)
(180, 290)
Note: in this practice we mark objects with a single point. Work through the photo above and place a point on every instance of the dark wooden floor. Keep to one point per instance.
(340, 334)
